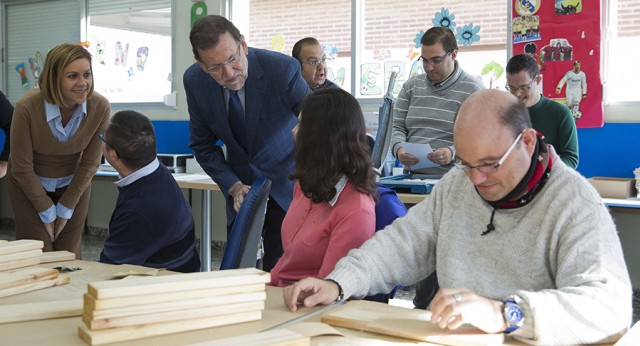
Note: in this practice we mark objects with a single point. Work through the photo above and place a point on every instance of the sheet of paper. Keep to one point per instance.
(420, 151)
(189, 177)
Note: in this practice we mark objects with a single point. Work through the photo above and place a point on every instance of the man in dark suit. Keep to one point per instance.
(249, 99)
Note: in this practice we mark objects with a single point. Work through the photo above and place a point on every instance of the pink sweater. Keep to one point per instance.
(316, 236)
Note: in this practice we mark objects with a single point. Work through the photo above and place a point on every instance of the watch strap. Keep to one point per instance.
(340, 291)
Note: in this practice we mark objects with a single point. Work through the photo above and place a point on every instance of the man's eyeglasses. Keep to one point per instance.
(101, 136)
(489, 167)
(435, 60)
(316, 62)
(232, 60)
(521, 89)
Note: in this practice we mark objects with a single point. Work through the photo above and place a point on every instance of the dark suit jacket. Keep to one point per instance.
(274, 91)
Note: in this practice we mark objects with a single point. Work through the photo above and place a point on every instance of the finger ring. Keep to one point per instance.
(457, 298)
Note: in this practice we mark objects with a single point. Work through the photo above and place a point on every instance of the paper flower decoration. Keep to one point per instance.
(330, 50)
(444, 19)
(418, 37)
(468, 34)
(277, 42)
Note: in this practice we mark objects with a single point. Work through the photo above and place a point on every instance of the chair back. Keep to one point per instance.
(385, 127)
(388, 208)
(246, 232)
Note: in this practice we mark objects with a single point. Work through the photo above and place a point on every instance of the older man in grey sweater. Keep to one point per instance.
(522, 243)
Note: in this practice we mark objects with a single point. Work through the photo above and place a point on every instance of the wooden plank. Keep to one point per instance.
(57, 256)
(405, 323)
(20, 255)
(25, 276)
(176, 304)
(40, 311)
(100, 337)
(277, 337)
(631, 338)
(21, 263)
(173, 283)
(175, 315)
(20, 245)
(38, 285)
(94, 304)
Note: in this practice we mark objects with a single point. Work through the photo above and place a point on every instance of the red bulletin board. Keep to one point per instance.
(564, 36)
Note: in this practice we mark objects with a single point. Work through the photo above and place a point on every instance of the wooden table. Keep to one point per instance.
(63, 331)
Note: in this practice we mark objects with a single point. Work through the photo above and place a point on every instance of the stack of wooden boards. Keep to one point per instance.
(134, 308)
(18, 273)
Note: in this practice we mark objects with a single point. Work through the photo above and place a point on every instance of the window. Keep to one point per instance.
(622, 30)
(278, 24)
(132, 51)
(387, 31)
(32, 29)
(391, 40)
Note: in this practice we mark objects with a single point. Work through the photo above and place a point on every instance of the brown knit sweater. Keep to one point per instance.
(35, 151)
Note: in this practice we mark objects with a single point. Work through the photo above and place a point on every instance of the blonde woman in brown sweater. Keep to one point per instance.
(55, 150)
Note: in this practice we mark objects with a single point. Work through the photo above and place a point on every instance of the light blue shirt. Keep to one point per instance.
(141, 173)
(62, 134)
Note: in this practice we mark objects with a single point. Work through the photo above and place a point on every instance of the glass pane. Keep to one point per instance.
(391, 30)
(278, 24)
(132, 55)
(622, 58)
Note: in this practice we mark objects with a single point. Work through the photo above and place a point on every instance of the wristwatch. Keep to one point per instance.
(340, 291)
(512, 314)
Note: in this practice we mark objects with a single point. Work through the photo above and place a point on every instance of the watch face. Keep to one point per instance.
(512, 313)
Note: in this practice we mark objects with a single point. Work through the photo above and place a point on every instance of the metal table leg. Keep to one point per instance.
(205, 237)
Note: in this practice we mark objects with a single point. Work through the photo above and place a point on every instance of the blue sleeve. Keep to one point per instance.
(63, 211)
(297, 89)
(49, 215)
(203, 141)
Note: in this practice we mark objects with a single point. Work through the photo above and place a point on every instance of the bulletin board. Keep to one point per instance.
(564, 36)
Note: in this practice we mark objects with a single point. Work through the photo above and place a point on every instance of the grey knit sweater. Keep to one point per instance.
(560, 253)
(424, 113)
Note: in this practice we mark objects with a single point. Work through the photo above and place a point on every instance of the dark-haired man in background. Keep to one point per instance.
(313, 62)
(250, 99)
(552, 119)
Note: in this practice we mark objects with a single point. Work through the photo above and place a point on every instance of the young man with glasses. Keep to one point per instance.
(424, 113)
(552, 119)
(249, 99)
(313, 63)
(523, 244)
(152, 224)
(427, 103)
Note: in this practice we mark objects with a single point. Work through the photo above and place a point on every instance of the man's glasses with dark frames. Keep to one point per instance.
(101, 136)
(521, 89)
(232, 60)
(489, 167)
(435, 60)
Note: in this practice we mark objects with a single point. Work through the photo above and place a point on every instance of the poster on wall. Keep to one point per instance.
(564, 37)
